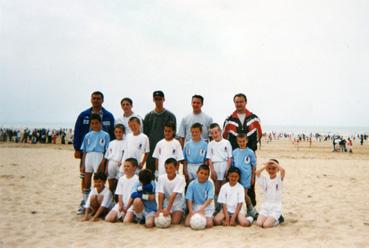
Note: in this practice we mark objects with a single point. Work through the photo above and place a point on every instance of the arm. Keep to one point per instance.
(233, 222)
(229, 162)
(226, 215)
(283, 172)
(160, 203)
(253, 175)
(171, 199)
(85, 217)
(204, 206)
(185, 170)
(156, 167)
(212, 170)
(143, 160)
(258, 172)
(181, 141)
(98, 213)
(120, 203)
(189, 206)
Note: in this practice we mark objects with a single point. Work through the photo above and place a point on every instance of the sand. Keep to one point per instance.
(326, 203)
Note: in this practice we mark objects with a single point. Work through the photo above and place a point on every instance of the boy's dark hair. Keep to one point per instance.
(95, 117)
(100, 176)
(240, 95)
(197, 125)
(275, 160)
(121, 127)
(203, 167)
(242, 135)
(198, 97)
(170, 125)
(128, 100)
(134, 118)
(98, 93)
(133, 161)
(214, 125)
(233, 169)
(145, 176)
(171, 161)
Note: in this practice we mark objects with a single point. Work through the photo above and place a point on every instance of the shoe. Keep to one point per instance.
(281, 220)
(253, 213)
(80, 211)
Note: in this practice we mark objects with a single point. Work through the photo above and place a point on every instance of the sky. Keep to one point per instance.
(302, 63)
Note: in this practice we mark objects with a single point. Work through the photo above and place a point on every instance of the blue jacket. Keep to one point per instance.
(82, 126)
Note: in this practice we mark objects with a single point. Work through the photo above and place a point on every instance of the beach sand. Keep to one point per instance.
(326, 203)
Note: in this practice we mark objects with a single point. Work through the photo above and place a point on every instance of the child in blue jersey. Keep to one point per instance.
(143, 206)
(194, 153)
(199, 196)
(244, 159)
(94, 146)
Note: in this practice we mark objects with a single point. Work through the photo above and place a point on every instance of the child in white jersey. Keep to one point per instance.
(220, 156)
(194, 153)
(100, 199)
(167, 148)
(114, 155)
(94, 146)
(171, 187)
(124, 189)
(232, 198)
(200, 195)
(138, 146)
(271, 185)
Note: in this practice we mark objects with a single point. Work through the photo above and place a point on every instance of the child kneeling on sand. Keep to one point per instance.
(271, 208)
(100, 199)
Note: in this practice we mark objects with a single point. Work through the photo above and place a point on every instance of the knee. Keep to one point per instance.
(137, 202)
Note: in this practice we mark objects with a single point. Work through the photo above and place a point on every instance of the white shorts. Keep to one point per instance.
(270, 209)
(113, 169)
(120, 214)
(192, 170)
(209, 210)
(92, 161)
(178, 205)
(220, 168)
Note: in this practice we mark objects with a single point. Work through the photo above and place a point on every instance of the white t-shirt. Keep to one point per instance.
(107, 198)
(272, 189)
(167, 187)
(115, 150)
(124, 120)
(231, 196)
(125, 186)
(167, 149)
(137, 146)
(219, 151)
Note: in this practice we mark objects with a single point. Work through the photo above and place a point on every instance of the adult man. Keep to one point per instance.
(82, 127)
(198, 116)
(154, 125)
(126, 105)
(243, 121)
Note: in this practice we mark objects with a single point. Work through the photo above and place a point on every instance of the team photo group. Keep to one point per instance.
(142, 170)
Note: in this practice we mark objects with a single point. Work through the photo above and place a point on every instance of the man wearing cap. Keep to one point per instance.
(154, 125)
(243, 121)
(82, 127)
(126, 104)
(197, 116)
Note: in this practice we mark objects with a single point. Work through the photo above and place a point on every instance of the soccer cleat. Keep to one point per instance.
(281, 220)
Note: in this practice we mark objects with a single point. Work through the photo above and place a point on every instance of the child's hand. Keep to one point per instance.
(226, 220)
(232, 222)
(94, 219)
(85, 218)
(166, 212)
(157, 213)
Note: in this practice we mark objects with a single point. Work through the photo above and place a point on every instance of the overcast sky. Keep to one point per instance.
(299, 62)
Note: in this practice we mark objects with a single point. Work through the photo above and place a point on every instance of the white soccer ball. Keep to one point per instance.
(198, 222)
(162, 221)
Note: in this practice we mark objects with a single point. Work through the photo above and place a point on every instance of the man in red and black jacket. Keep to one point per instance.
(243, 121)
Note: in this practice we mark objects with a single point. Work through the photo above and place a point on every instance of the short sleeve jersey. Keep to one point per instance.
(137, 146)
(115, 150)
(124, 120)
(167, 187)
(150, 206)
(167, 149)
(189, 120)
(271, 188)
(195, 152)
(219, 151)
(200, 192)
(107, 198)
(244, 160)
(95, 142)
(125, 186)
(231, 196)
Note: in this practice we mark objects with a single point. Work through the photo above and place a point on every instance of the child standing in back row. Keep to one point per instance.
(271, 185)
(220, 156)
(94, 146)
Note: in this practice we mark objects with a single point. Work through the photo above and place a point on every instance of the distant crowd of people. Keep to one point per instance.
(37, 135)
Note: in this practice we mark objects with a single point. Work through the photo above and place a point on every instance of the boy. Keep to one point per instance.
(124, 189)
(167, 148)
(200, 195)
(100, 199)
(114, 155)
(244, 159)
(220, 156)
(94, 146)
(171, 187)
(232, 197)
(138, 146)
(271, 208)
(194, 153)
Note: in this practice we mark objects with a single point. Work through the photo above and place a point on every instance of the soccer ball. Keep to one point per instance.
(162, 221)
(198, 222)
